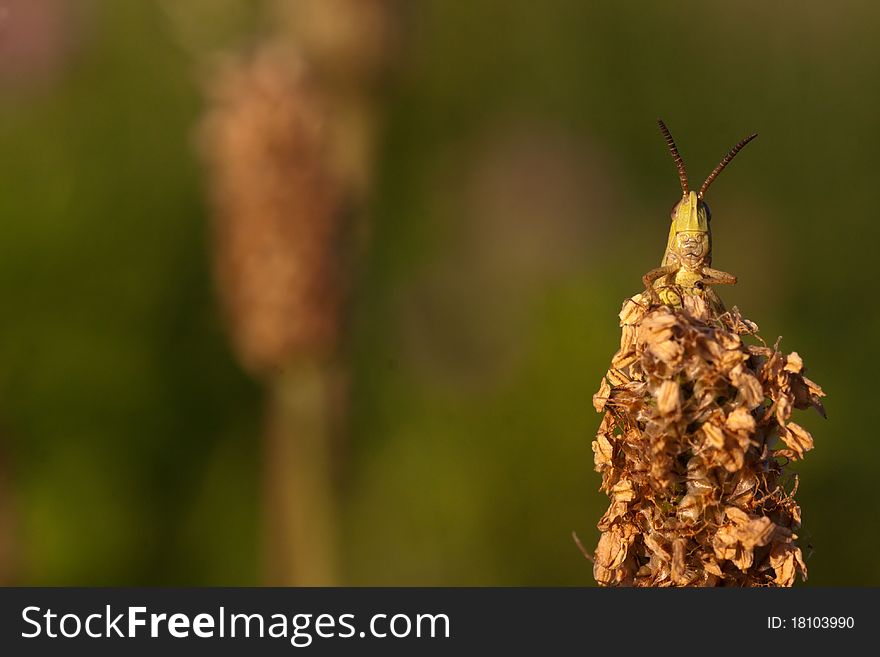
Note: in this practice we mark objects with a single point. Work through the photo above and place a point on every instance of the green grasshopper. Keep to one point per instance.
(685, 268)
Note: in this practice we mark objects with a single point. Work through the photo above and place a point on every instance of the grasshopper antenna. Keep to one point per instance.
(727, 158)
(679, 163)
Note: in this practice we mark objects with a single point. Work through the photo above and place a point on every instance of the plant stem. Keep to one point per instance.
(300, 497)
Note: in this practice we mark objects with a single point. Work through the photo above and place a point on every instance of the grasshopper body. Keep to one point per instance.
(686, 265)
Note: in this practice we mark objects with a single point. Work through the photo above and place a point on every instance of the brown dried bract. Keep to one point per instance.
(692, 449)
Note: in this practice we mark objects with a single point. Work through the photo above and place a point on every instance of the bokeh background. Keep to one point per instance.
(518, 190)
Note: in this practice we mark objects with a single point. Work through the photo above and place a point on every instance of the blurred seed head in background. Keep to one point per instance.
(278, 209)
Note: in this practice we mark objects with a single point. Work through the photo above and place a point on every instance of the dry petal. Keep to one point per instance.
(711, 566)
(668, 398)
(632, 312)
(616, 377)
(787, 561)
(798, 439)
(690, 508)
(611, 551)
(628, 338)
(729, 359)
(657, 327)
(729, 340)
(602, 451)
(731, 459)
(749, 387)
(669, 351)
(601, 397)
(714, 435)
(624, 357)
(623, 491)
(655, 544)
(793, 363)
(679, 569)
(695, 305)
(783, 409)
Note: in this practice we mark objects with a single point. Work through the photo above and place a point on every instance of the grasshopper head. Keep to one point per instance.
(691, 214)
(690, 240)
(690, 237)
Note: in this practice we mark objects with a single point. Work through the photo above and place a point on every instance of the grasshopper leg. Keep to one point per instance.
(654, 275)
(717, 277)
(649, 278)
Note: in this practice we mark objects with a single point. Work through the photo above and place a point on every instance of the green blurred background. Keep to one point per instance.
(522, 189)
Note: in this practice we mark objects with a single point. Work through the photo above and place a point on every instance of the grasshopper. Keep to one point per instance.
(685, 268)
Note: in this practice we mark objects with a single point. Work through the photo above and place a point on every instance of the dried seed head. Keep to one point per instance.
(278, 210)
(692, 447)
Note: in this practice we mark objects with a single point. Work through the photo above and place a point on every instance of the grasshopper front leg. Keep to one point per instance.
(649, 278)
(654, 275)
(716, 277)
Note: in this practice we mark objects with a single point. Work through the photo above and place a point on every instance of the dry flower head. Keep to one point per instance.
(692, 448)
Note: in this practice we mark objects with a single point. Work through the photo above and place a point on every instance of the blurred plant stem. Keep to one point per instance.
(301, 501)
(289, 140)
